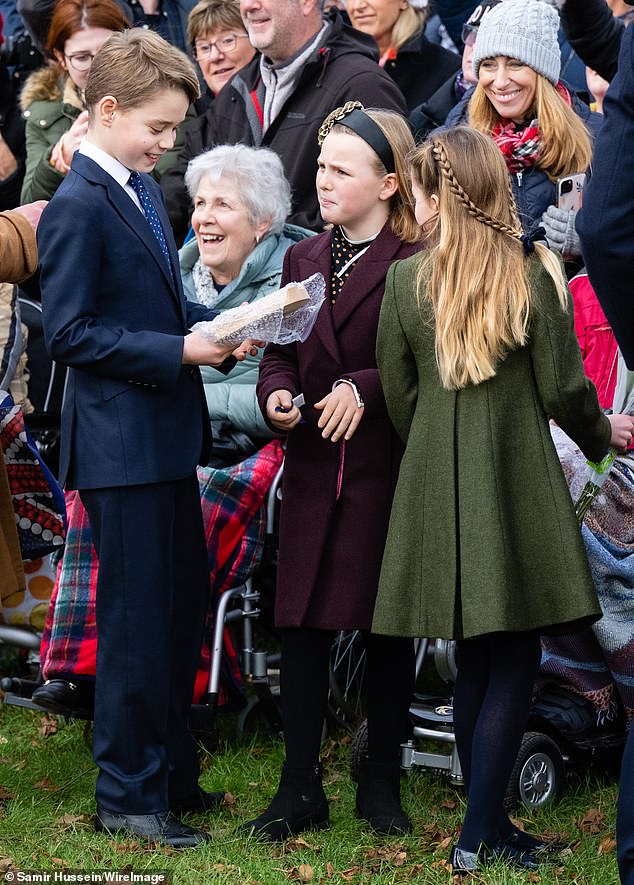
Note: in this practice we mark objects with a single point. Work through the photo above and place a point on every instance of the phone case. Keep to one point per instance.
(570, 191)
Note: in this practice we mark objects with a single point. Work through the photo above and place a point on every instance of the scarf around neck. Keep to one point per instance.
(521, 143)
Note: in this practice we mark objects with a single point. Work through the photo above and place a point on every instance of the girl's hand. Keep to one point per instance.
(622, 431)
(281, 412)
(340, 413)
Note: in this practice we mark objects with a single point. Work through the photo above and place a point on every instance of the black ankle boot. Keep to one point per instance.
(379, 799)
(299, 804)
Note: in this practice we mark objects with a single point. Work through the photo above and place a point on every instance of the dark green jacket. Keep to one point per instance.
(483, 535)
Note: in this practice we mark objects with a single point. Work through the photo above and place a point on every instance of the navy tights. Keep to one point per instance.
(492, 697)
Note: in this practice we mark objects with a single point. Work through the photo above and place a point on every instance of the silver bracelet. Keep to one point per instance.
(355, 390)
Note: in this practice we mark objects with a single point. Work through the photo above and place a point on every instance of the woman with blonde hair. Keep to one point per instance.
(476, 351)
(341, 463)
(543, 130)
(418, 66)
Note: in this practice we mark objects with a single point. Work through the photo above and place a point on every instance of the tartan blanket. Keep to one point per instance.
(233, 503)
(598, 663)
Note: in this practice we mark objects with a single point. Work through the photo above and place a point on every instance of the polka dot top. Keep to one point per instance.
(345, 255)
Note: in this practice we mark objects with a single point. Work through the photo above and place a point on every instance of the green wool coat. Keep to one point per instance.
(483, 536)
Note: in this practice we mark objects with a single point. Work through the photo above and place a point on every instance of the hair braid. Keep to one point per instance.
(459, 192)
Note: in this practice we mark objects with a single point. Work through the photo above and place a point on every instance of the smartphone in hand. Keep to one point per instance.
(570, 191)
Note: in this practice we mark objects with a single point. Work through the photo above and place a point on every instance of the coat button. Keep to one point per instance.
(42, 122)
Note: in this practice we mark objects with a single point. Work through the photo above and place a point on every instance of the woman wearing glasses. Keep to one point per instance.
(52, 100)
(219, 42)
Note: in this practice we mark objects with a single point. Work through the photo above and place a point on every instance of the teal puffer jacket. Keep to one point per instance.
(233, 396)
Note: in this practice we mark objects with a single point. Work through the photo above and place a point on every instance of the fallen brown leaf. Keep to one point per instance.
(229, 799)
(607, 845)
(6, 795)
(48, 725)
(45, 784)
(69, 820)
(6, 863)
(302, 873)
(330, 870)
(450, 804)
(592, 821)
(533, 877)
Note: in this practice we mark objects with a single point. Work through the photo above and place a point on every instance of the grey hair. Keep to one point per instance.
(257, 174)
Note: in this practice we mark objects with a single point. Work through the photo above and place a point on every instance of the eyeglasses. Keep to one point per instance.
(469, 34)
(80, 61)
(224, 46)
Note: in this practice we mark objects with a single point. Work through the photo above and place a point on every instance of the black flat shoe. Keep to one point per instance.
(199, 802)
(466, 862)
(65, 698)
(162, 827)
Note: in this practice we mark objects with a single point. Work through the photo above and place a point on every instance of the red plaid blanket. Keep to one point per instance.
(233, 504)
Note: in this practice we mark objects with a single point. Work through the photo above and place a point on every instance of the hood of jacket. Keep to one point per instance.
(263, 265)
(49, 84)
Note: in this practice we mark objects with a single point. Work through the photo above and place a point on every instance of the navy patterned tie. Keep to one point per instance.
(136, 182)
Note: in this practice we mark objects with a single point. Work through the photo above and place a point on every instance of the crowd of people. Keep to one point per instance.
(187, 158)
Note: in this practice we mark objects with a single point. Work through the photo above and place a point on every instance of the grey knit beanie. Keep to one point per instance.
(521, 29)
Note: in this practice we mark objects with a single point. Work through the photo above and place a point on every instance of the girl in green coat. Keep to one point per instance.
(476, 351)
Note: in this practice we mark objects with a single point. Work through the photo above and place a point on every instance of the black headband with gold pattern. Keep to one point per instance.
(353, 116)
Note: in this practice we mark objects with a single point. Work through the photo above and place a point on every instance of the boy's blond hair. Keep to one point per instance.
(475, 275)
(134, 66)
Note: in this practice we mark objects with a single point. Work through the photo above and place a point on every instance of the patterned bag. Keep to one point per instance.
(38, 501)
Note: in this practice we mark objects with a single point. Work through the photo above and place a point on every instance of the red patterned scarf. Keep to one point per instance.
(521, 144)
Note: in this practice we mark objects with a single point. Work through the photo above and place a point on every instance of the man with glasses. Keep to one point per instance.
(310, 64)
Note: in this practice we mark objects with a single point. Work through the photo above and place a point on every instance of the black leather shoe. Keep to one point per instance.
(466, 862)
(162, 827)
(199, 802)
(541, 849)
(66, 698)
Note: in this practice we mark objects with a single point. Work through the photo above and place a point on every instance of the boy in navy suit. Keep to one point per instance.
(134, 426)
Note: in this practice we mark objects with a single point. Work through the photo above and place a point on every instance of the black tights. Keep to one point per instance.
(492, 699)
(304, 693)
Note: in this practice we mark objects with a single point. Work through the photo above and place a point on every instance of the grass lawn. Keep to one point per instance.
(46, 805)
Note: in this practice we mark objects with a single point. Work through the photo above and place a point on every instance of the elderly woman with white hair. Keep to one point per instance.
(418, 66)
(241, 199)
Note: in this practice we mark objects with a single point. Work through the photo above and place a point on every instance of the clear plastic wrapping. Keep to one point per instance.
(280, 318)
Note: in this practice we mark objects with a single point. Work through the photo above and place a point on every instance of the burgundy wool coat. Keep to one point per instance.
(336, 497)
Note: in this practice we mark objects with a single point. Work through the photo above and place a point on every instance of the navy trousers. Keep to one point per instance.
(152, 594)
(625, 814)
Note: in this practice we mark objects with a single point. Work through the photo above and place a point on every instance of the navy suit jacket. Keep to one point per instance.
(113, 312)
(606, 221)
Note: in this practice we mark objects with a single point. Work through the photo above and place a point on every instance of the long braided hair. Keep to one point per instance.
(475, 273)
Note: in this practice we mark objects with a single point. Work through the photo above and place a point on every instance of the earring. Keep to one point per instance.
(257, 239)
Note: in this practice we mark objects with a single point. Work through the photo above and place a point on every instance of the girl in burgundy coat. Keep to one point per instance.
(340, 470)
